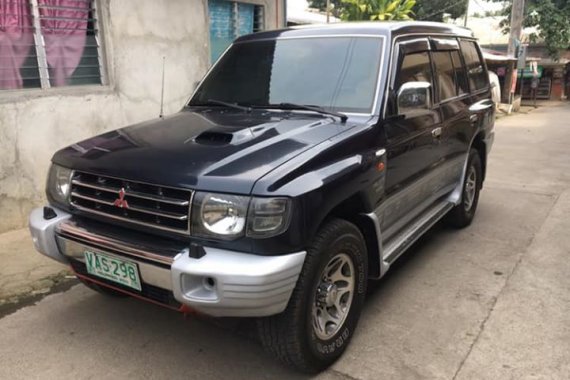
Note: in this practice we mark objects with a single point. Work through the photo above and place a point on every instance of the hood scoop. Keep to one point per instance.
(225, 137)
(214, 138)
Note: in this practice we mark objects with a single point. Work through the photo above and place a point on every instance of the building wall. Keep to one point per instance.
(555, 72)
(136, 35)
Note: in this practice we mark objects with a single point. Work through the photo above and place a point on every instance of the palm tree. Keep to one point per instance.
(354, 10)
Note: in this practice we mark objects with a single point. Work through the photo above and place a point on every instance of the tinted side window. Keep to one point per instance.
(460, 74)
(415, 67)
(445, 75)
(476, 73)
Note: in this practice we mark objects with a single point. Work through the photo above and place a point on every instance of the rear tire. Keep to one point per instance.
(462, 215)
(322, 314)
(102, 290)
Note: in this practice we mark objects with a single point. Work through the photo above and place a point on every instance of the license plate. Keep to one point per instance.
(120, 271)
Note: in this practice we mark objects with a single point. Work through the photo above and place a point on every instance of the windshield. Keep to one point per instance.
(335, 73)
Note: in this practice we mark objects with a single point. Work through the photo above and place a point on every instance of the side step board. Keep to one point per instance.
(404, 239)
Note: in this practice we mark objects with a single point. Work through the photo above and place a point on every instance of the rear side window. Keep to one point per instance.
(460, 74)
(475, 69)
(415, 68)
(451, 76)
(445, 75)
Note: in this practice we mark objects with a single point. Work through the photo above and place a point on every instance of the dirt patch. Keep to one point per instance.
(49, 285)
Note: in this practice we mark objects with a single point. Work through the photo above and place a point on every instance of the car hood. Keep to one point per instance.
(213, 149)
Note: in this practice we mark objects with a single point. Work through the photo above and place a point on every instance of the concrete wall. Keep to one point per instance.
(136, 35)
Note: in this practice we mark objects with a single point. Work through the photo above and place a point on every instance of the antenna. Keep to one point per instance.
(162, 90)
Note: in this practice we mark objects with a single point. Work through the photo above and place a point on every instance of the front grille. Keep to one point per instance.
(153, 206)
(160, 295)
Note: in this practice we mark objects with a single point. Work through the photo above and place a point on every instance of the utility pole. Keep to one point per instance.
(328, 11)
(517, 14)
(466, 15)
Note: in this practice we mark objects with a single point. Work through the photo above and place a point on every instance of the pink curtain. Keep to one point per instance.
(64, 27)
(16, 39)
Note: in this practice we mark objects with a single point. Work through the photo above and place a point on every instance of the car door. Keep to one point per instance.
(481, 106)
(453, 102)
(413, 150)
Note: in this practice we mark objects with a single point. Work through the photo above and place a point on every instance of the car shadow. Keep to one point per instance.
(118, 330)
(414, 253)
(162, 341)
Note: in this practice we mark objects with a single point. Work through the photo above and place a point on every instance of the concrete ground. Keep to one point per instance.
(488, 302)
(23, 272)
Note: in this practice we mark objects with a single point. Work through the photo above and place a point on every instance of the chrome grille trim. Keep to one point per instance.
(91, 211)
(154, 206)
(132, 193)
(137, 209)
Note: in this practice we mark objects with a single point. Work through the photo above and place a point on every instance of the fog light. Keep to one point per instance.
(209, 283)
(199, 288)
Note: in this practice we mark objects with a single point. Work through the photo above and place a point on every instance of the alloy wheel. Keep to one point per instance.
(333, 296)
(470, 188)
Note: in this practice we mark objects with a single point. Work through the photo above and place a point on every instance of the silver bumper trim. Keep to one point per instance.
(222, 283)
(226, 283)
(43, 233)
(149, 273)
(73, 230)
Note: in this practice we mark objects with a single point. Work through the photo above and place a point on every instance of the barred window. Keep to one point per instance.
(49, 43)
(231, 19)
(258, 18)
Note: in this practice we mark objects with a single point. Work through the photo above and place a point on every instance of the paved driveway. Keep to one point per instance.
(488, 302)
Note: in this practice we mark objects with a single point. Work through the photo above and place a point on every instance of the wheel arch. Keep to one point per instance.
(354, 210)
(481, 147)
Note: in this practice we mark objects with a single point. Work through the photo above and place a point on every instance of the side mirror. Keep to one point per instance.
(413, 97)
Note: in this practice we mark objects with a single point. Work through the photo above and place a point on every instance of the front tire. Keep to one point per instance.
(322, 314)
(462, 215)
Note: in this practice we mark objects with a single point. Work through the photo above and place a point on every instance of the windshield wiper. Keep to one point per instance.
(229, 105)
(291, 106)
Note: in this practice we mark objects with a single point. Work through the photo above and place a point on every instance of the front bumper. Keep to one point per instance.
(221, 283)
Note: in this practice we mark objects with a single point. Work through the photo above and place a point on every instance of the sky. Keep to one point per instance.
(475, 6)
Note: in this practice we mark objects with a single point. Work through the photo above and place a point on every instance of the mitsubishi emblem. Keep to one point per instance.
(121, 202)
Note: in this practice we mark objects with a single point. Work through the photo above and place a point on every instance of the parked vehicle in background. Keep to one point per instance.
(495, 89)
(307, 161)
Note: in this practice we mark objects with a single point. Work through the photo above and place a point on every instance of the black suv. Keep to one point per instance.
(306, 162)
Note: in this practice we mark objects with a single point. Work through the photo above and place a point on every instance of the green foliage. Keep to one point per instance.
(552, 20)
(433, 10)
(354, 10)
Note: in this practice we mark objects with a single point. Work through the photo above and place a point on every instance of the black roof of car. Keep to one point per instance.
(382, 28)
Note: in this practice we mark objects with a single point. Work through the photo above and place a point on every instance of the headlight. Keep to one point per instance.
(225, 216)
(219, 215)
(59, 183)
(268, 216)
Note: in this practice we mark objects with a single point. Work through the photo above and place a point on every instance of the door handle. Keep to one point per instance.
(482, 105)
(436, 133)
